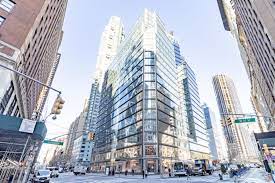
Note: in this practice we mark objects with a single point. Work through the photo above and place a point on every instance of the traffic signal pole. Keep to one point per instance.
(30, 78)
(244, 114)
(66, 134)
(35, 148)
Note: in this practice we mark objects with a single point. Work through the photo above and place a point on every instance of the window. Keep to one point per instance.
(7, 5)
(2, 19)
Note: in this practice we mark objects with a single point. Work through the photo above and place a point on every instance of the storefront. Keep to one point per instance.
(266, 145)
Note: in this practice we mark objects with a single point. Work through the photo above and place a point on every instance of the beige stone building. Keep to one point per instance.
(253, 25)
(241, 147)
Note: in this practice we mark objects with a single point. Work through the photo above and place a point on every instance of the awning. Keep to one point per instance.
(10, 125)
(267, 138)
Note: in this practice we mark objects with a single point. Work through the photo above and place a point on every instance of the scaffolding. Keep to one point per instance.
(18, 149)
(14, 154)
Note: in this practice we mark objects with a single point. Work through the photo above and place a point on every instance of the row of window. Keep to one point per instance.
(5, 100)
(136, 151)
(149, 114)
(7, 5)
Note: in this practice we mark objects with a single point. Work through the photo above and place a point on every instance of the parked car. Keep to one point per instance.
(60, 170)
(254, 165)
(233, 167)
(41, 176)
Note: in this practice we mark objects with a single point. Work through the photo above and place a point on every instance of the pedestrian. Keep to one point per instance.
(169, 171)
(126, 172)
(143, 173)
(220, 175)
(188, 172)
(10, 179)
(146, 173)
(133, 171)
(113, 172)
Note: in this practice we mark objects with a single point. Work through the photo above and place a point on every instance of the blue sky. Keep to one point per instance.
(208, 48)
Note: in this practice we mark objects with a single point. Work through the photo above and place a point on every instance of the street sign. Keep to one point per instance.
(27, 126)
(53, 142)
(245, 120)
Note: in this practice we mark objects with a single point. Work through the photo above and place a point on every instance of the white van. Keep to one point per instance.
(79, 169)
(41, 176)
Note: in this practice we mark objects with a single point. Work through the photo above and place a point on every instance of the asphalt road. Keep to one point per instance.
(253, 176)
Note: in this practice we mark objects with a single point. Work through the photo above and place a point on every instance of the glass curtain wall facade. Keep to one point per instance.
(93, 105)
(137, 121)
(111, 38)
(182, 126)
(212, 145)
(193, 113)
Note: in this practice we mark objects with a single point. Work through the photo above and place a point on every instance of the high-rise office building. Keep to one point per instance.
(178, 56)
(71, 137)
(252, 24)
(93, 103)
(190, 111)
(193, 113)
(238, 138)
(182, 129)
(79, 149)
(111, 38)
(137, 122)
(31, 33)
(212, 137)
(217, 143)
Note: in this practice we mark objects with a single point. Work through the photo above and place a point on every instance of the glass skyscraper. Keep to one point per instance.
(111, 38)
(193, 126)
(193, 113)
(211, 135)
(217, 141)
(137, 121)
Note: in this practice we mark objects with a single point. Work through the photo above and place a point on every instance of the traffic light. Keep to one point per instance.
(91, 136)
(229, 120)
(58, 105)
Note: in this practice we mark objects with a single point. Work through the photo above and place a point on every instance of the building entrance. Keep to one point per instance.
(151, 166)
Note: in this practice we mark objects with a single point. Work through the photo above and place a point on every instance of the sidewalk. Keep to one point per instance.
(122, 175)
(257, 175)
(161, 178)
(254, 175)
